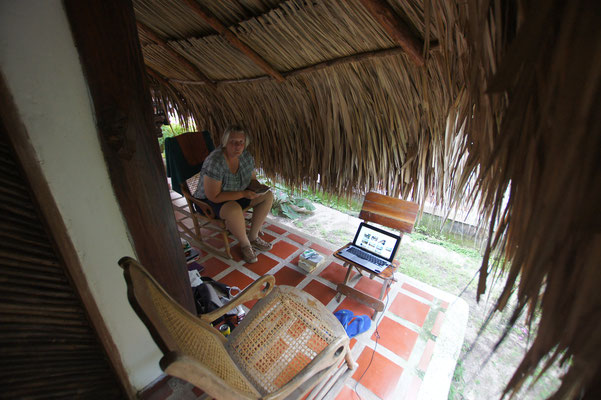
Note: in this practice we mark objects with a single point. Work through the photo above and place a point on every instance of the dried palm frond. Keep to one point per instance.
(537, 146)
(502, 116)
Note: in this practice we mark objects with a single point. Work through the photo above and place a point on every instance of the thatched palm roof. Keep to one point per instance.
(460, 100)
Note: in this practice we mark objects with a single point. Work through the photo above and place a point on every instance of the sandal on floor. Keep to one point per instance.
(261, 244)
(249, 254)
(358, 325)
(344, 316)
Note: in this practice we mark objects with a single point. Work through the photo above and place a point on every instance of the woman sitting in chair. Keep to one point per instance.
(225, 175)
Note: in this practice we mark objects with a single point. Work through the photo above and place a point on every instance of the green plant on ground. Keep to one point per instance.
(289, 205)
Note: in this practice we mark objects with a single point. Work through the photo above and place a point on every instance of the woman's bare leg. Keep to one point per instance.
(232, 214)
(261, 206)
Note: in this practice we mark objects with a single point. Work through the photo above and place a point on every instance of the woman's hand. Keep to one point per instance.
(249, 194)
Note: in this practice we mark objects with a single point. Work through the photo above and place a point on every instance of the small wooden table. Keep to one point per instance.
(387, 275)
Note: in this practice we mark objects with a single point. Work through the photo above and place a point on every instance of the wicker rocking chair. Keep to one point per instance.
(184, 156)
(203, 217)
(287, 344)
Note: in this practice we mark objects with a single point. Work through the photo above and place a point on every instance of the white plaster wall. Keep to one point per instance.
(40, 63)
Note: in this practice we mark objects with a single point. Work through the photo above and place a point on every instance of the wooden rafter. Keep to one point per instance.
(233, 39)
(181, 59)
(396, 28)
(309, 68)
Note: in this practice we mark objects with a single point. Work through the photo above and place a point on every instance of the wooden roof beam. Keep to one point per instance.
(233, 39)
(396, 28)
(180, 59)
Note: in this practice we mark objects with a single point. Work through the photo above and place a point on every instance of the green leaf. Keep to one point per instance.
(300, 202)
(289, 212)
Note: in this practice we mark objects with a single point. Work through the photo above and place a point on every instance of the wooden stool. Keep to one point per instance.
(389, 212)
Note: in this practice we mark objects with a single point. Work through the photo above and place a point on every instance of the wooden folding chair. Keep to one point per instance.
(390, 212)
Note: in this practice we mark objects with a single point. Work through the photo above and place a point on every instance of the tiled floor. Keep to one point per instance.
(393, 357)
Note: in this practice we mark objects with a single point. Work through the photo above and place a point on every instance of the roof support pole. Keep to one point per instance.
(396, 28)
(233, 39)
(181, 59)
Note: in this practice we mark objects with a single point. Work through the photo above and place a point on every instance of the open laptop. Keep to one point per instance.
(373, 248)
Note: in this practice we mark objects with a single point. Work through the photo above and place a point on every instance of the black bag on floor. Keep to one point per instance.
(210, 295)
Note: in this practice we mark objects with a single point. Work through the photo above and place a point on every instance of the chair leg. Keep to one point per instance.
(349, 358)
(226, 243)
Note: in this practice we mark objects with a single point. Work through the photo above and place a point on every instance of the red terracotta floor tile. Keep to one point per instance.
(264, 263)
(297, 238)
(236, 251)
(276, 229)
(396, 338)
(335, 273)
(213, 266)
(346, 394)
(417, 291)
(353, 343)
(216, 242)
(288, 276)
(356, 307)
(295, 260)
(283, 249)
(206, 233)
(320, 249)
(267, 237)
(237, 278)
(410, 309)
(438, 323)
(426, 356)
(372, 287)
(178, 215)
(382, 375)
(197, 391)
(320, 291)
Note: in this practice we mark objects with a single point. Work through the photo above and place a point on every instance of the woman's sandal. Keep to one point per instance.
(344, 316)
(358, 325)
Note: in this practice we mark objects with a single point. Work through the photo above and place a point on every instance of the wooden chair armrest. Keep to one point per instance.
(204, 207)
(254, 291)
(187, 368)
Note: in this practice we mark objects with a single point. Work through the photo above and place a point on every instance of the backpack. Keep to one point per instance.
(210, 295)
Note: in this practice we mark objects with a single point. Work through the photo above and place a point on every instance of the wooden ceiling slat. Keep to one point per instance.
(396, 28)
(184, 62)
(233, 39)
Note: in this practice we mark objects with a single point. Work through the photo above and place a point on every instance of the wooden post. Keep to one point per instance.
(107, 40)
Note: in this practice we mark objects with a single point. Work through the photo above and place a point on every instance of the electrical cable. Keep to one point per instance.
(377, 334)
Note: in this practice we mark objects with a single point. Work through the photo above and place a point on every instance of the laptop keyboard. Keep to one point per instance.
(366, 256)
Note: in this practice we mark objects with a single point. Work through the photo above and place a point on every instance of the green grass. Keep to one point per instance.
(458, 379)
(447, 243)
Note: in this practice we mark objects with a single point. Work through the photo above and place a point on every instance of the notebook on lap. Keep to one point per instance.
(373, 248)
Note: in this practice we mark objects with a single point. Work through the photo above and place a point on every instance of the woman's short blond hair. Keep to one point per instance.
(234, 128)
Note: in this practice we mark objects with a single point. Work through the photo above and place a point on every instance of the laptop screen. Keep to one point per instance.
(376, 241)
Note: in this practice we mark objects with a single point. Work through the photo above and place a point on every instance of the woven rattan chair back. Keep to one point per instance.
(282, 335)
(177, 330)
(288, 344)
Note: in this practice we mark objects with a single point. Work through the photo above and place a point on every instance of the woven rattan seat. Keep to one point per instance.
(287, 344)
